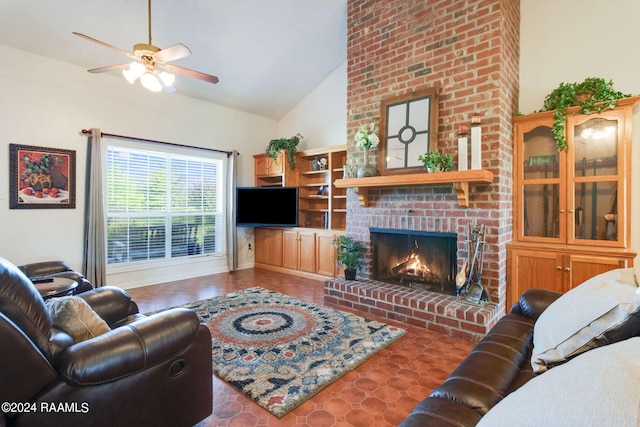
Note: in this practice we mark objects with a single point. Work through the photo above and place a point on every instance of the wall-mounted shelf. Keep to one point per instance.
(459, 179)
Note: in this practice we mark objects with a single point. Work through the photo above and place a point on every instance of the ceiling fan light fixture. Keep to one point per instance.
(167, 79)
(151, 82)
(150, 63)
(134, 71)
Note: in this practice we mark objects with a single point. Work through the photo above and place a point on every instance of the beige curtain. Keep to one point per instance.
(95, 259)
(232, 236)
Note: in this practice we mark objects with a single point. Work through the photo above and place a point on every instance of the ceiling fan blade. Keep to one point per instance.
(191, 73)
(91, 39)
(109, 68)
(172, 53)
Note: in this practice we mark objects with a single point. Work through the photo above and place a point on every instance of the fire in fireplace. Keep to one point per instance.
(417, 259)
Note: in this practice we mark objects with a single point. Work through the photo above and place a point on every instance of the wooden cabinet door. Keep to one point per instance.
(533, 269)
(260, 165)
(307, 251)
(325, 259)
(290, 249)
(275, 167)
(268, 246)
(579, 268)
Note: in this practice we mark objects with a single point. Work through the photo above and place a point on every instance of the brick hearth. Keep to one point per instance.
(440, 313)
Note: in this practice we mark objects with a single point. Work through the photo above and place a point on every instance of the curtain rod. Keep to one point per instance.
(228, 153)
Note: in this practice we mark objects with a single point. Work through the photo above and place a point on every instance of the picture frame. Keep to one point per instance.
(408, 128)
(41, 177)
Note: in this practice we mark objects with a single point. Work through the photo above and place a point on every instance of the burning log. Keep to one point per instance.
(399, 269)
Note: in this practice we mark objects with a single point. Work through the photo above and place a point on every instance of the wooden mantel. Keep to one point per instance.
(459, 179)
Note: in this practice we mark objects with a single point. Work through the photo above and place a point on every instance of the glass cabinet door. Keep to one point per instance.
(541, 189)
(595, 179)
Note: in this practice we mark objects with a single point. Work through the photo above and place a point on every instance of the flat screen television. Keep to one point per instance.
(267, 206)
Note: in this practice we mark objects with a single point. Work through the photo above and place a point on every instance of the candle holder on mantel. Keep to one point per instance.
(476, 142)
(463, 147)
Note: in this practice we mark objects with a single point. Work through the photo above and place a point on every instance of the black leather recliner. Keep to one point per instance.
(146, 371)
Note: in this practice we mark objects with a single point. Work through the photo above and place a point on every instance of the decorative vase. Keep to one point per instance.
(366, 169)
(315, 164)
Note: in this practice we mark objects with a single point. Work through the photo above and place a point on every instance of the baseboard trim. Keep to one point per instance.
(291, 271)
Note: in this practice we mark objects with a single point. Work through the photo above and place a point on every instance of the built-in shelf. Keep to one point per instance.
(459, 179)
(318, 172)
(315, 210)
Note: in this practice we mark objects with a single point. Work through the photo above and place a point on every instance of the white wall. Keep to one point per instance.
(321, 117)
(47, 103)
(570, 40)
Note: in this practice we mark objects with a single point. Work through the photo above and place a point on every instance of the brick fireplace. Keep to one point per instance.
(415, 259)
(470, 50)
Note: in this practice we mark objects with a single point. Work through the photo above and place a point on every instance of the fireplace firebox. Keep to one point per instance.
(417, 259)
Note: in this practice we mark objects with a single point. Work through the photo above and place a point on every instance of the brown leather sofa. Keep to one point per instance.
(146, 371)
(498, 365)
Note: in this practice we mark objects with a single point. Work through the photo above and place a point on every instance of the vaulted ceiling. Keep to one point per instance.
(268, 54)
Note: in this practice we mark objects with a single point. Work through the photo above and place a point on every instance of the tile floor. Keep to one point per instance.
(380, 392)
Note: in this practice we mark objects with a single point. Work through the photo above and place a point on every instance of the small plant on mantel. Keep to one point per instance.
(288, 144)
(593, 95)
(433, 161)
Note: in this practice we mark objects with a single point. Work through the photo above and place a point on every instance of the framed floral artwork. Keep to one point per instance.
(41, 178)
(408, 129)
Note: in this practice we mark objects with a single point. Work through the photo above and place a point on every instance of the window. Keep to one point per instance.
(163, 203)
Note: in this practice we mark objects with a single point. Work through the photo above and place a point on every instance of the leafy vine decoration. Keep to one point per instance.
(288, 144)
(593, 95)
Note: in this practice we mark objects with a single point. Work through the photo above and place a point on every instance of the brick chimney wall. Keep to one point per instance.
(470, 49)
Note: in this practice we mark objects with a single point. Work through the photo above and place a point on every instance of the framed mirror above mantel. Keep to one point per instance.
(408, 129)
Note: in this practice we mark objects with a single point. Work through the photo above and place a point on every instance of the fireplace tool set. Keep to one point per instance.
(470, 287)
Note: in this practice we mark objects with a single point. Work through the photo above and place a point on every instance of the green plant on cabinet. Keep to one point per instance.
(593, 95)
(288, 144)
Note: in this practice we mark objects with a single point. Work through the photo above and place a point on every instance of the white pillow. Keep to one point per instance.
(602, 310)
(597, 388)
(74, 316)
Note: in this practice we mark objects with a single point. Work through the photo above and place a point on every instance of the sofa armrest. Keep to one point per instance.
(129, 349)
(112, 304)
(438, 412)
(533, 302)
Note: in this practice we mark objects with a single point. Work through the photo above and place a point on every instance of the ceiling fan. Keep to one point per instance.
(151, 64)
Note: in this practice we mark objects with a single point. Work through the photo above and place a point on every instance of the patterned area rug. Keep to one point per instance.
(279, 351)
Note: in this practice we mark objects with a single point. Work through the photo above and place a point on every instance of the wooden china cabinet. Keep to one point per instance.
(571, 208)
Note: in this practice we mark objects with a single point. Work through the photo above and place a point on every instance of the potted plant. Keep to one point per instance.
(592, 96)
(288, 144)
(349, 254)
(433, 161)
